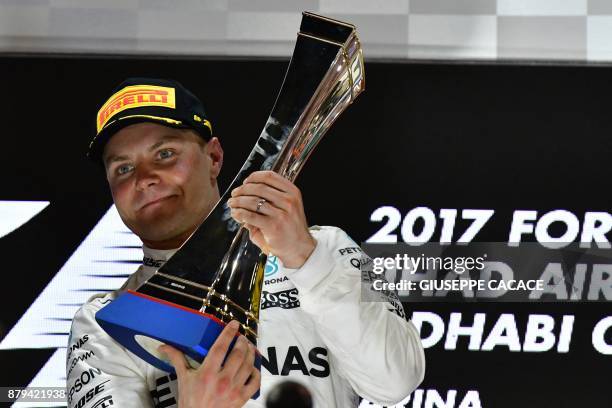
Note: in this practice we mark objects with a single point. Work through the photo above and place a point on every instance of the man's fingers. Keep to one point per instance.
(236, 358)
(271, 178)
(176, 358)
(256, 236)
(250, 217)
(252, 384)
(278, 198)
(246, 368)
(217, 352)
(251, 203)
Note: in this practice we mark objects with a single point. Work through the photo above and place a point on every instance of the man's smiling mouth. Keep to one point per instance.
(157, 201)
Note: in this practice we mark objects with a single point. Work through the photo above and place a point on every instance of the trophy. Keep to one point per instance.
(217, 274)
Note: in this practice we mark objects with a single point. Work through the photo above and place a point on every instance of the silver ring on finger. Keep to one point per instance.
(260, 203)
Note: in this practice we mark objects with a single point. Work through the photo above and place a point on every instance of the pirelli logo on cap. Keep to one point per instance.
(133, 97)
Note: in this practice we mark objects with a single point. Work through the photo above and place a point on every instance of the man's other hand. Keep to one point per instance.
(215, 384)
(271, 208)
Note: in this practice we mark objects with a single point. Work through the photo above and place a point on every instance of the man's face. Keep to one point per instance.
(163, 181)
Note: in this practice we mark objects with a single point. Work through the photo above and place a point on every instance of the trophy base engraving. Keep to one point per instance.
(141, 323)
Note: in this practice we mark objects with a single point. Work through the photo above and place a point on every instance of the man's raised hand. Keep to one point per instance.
(271, 208)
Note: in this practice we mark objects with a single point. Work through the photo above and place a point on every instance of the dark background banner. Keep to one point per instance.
(443, 136)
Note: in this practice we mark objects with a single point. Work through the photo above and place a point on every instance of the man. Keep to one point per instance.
(162, 164)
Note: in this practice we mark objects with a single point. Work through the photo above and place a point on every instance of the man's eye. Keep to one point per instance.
(165, 154)
(123, 169)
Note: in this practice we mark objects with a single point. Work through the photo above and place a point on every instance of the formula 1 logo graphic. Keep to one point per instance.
(95, 266)
(13, 214)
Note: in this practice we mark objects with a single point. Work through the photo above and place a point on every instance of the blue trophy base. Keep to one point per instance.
(141, 323)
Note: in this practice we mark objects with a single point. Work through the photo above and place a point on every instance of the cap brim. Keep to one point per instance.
(96, 147)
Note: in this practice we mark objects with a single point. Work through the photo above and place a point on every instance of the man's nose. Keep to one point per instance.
(146, 177)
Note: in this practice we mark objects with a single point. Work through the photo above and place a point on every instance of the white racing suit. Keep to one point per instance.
(314, 329)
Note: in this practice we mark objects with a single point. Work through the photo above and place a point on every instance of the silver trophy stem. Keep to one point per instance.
(342, 83)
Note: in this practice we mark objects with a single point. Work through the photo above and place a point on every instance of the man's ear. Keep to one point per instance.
(215, 152)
